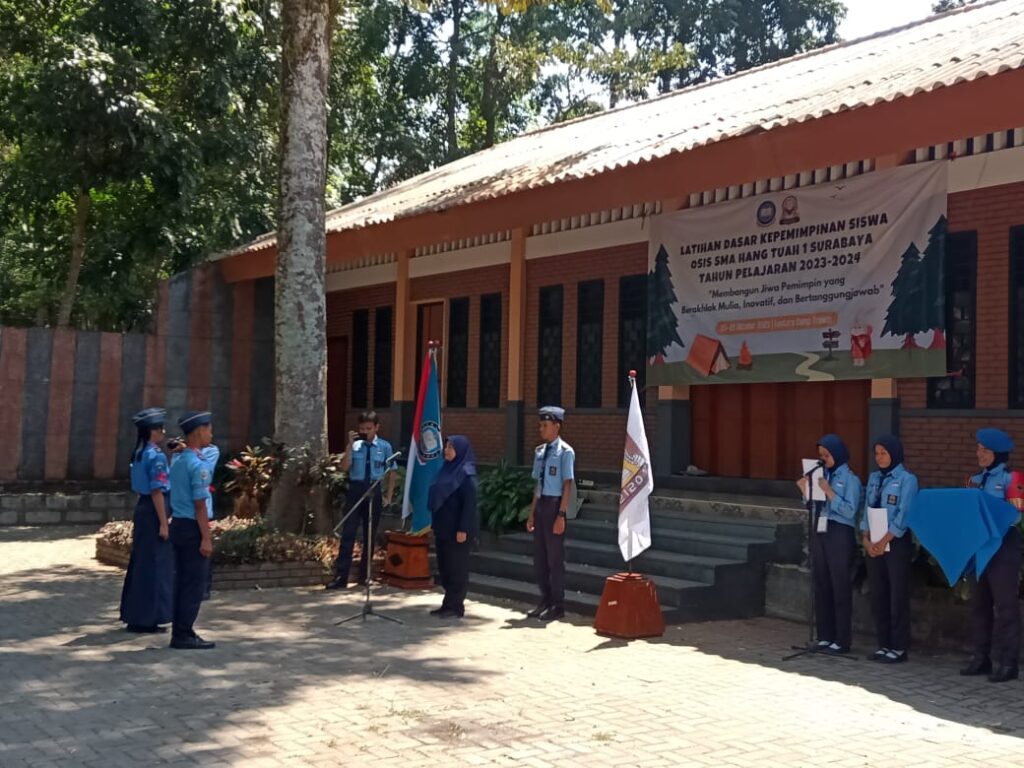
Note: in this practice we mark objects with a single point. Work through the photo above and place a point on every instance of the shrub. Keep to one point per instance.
(505, 494)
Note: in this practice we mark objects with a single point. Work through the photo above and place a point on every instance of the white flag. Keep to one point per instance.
(637, 484)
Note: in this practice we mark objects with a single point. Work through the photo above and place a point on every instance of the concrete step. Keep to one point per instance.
(527, 594)
(764, 508)
(680, 540)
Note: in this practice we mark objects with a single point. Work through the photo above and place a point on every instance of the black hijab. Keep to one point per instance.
(453, 472)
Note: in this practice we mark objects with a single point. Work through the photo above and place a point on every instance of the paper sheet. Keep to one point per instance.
(878, 524)
(816, 493)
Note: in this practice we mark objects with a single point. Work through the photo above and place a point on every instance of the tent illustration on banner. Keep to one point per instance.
(707, 356)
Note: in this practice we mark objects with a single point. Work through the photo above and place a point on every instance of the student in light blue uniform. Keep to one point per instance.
(148, 583)
(893, 488)
(190, 529)
(832, 546)
(554, 464)
(209, 455)
(995, 606)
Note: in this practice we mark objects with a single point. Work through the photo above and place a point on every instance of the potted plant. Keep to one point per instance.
(253, 473)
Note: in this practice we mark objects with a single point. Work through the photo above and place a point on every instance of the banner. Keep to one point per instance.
(637, 484)
(426, 453)
(841, 280)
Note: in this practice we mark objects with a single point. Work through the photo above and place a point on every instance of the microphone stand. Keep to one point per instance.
(810, 648)
(368, 496)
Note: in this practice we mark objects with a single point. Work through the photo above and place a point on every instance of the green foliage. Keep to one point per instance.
(253, 473)
(505, 494)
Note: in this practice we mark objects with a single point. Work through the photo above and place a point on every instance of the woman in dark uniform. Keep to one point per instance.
(146, 599)
(456, 522)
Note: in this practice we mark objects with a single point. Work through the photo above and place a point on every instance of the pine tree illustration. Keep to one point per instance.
(661, 316)
(907, 313)
(933, 266)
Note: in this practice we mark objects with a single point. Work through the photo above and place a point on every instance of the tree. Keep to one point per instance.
(933, 270)
(908, 311)
(948, 5)
(300, 311)
(661, 316)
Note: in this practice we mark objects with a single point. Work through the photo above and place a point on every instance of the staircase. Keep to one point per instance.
(707, 557)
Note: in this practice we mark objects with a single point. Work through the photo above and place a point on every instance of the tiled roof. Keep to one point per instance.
(977, 41)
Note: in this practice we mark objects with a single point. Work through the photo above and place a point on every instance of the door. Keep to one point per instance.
(763, 430)
(429, 327)
(337, 393)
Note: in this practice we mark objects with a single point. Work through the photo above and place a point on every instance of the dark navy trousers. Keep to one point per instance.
(189, 577)
(995, 605)
(356, 489)
(889, 576)
(548, 552)
(831, 560)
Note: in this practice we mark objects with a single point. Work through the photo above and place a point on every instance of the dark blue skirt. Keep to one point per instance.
(147, 597)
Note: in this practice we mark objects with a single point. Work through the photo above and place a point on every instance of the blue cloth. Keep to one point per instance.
(835, 445)
(553, 464)
(452, 472)
(378, 452)
(551, 413)
(995, 440)
(846, 486)
(190, 482)
(957, 524)
(150, 417)
(896, 491)
(426, 453)
(994, 481)
(148, 592)
(149, 471)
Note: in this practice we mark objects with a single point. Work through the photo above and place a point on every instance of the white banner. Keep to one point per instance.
(841, 280)
(637, 484)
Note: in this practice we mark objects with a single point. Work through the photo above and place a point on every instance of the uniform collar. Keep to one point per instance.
(555, 444)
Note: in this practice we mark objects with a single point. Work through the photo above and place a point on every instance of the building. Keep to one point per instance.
(529, 261)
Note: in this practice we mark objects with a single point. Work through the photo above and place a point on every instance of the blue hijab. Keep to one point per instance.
(834, 444)
(453, 472)
(894, 448)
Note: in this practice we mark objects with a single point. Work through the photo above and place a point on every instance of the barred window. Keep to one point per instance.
(632, 335)
(490, 351)
(956, 390)
(458, 351)
(382, 358)
(549, 347)
(360, 357)
(589, 341)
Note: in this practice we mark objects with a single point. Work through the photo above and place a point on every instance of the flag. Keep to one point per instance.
(637, 484)
(426, 452)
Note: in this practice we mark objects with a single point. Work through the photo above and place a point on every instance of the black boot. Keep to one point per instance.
(1003, 672)
(978, 665)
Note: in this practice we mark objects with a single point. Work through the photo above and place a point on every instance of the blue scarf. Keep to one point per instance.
(453, 472)
(835, 445)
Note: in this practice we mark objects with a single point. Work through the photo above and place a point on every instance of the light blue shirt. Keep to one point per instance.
(380, 450)
(847, 489)
(559, 466)
(896, 494)
(149, 471)
(190, 479)
(993, 481)
(209, 457)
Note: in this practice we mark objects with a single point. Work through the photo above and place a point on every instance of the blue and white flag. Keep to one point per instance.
(426, 454)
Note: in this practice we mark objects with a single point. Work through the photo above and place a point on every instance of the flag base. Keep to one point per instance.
(407, 561)
(629, 608)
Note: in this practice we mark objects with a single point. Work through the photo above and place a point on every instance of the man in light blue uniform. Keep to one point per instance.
(554, 464)
(190, 528)
(365, 460)
(994, 604)
(209, 455)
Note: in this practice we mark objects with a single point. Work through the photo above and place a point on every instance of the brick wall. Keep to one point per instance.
(940, 446)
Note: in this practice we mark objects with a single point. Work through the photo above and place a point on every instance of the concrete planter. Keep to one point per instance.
(88, 507)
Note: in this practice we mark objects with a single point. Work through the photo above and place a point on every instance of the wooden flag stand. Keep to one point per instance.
(407, 561)
(629, 608)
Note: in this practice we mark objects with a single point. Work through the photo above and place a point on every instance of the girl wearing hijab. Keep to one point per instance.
(456, 522)
(893, 488)
(994, 605)
(832, 546)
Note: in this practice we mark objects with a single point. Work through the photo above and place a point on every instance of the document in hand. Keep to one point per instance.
(878, 524)
(818, 472)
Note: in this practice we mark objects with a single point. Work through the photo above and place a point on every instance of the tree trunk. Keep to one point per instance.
(451, 104)
(83, 203)
(300, 351)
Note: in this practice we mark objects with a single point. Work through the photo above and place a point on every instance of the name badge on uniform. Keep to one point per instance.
(822, 523)
(552, 470)
(893, 499)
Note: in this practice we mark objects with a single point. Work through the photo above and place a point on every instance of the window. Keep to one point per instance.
(382, 359)
(1017, 317)
(458, 351)
(360, 357)
(589, 340)
(490, 350)
(549, 347)
(957, 389)
(632, 335)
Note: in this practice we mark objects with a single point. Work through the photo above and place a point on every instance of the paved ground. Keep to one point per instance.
(287, 687)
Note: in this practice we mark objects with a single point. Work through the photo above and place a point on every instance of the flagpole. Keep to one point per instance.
(629, 559)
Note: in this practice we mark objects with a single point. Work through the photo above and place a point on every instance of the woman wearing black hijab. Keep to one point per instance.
(893, 488)
(456, 522)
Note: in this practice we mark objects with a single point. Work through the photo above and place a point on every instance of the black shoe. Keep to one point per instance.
(450, 613)
(834, 649)
(978, 665)
(138, 628)
(1002, 673)
(536, 612)
(337, 584)
(878, 655)
(192, 643)
(893, 657)
(439, 611)
(552, 613)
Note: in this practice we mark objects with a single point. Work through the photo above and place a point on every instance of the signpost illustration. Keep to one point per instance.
(831, 342)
